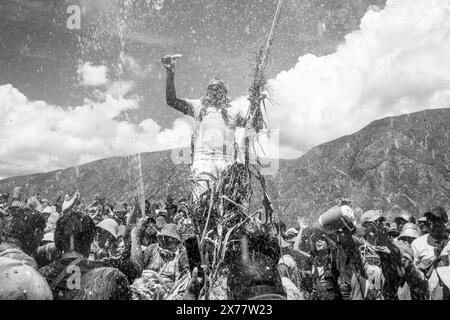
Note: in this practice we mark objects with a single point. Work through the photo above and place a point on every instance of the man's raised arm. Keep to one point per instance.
(171, 96)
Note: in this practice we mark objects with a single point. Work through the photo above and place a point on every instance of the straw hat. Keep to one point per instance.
(170, 230)
(371, 215)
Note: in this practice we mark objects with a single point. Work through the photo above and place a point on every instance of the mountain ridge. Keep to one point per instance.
(394, 163)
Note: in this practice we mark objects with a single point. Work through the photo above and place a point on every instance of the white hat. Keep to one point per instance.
(49, 237)
(49, 209)
(109, 225)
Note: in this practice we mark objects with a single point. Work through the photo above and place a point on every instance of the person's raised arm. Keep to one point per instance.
(171, 96)
(302, 224)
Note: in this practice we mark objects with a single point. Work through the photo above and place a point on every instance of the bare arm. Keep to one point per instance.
(302, 224)
(171, 96)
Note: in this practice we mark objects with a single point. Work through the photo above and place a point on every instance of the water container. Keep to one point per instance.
(331, 220)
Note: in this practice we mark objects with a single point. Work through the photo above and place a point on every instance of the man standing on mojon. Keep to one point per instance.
(214, 131)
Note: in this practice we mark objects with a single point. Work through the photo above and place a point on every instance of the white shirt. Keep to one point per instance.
(214, 139)
(423, 250)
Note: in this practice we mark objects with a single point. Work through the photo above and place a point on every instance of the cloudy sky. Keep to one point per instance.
(72, 96)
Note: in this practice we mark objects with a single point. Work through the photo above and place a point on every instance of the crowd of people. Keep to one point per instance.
(69, 250)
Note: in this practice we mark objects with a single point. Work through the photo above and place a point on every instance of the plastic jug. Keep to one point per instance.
(332, 220)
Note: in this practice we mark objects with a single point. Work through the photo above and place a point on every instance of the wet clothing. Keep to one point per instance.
(65, 282)
(165, 263)
(214, 142)
(13, 251)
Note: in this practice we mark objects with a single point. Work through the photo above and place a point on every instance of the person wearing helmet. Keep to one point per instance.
(19, 281)
(23, 235)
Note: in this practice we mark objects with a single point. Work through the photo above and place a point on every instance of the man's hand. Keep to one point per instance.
(302, 222)
(168, 63)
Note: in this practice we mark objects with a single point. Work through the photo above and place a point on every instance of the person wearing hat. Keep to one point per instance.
(430, 249)
(19, 281)
(423, 225)
(167, 256)
(410, 232)
(367, 220)
(106, 239)
(324, 271)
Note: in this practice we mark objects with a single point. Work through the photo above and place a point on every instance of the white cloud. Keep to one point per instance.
(36, 136)
(396, 63)
(92, 76)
